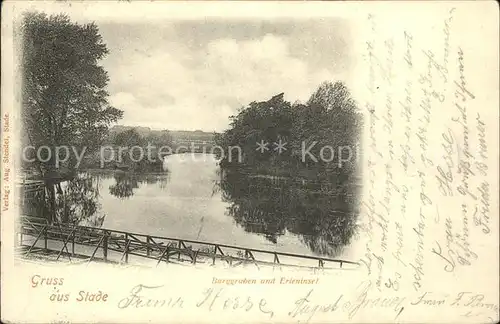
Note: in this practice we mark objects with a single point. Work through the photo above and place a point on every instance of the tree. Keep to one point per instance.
(64, 98)
(333, 96)
(63, 88)
(128, 138)
(266, 121)
(330, 118)
(321, 206)
(341, 119)
(137, 152)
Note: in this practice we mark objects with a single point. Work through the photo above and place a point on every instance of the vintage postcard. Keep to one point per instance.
(250, 162)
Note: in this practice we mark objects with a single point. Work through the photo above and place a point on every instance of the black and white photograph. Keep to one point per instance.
(232, 141)
(249, 162)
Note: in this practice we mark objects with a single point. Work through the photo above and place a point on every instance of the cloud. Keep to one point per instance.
(175, 86)
(257, 70)
(123, 100)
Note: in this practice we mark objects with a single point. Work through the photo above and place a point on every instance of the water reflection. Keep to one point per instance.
(33, 202)
(77, 201)
(126, 182)
(124, 186)
(322, 214)
(286, 214)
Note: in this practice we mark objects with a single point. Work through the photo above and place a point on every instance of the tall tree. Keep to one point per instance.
(64, 98)
(64, 87)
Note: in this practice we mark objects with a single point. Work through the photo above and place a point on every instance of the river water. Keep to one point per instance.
(195, 200)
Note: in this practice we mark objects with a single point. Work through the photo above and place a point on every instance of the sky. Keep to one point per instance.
(194, 74)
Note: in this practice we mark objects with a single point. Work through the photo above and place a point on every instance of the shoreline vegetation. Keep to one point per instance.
(128, 137)
(65, 103)
(330, 119)
(272, 192)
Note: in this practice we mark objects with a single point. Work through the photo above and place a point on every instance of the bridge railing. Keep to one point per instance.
(159, 248)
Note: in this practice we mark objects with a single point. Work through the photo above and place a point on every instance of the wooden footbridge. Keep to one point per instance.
(89, 244)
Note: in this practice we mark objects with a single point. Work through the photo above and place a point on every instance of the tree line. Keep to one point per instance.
(330, 118)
